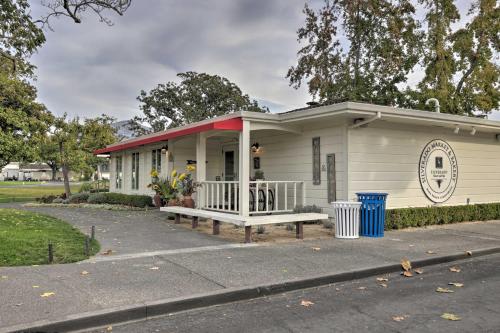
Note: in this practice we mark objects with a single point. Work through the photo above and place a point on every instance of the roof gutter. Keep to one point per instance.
(377, 116)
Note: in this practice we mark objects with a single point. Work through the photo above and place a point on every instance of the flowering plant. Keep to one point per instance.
(164, 187)
(186, 184)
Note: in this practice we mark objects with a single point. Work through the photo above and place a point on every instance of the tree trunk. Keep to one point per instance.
(54, 172)
(67, 189)
(65, 171)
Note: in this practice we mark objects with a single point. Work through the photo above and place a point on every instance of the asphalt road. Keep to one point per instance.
(406, 304)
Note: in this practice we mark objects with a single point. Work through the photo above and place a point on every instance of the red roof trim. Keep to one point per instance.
(233, 124)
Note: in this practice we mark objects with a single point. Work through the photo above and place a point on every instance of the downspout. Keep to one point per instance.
(367, 121)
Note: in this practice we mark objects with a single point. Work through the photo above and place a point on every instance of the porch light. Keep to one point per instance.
(164, 149)
(256, 147)
(473, 132)
(456, 130)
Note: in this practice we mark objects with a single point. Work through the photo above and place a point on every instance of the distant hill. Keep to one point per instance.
(123, 131)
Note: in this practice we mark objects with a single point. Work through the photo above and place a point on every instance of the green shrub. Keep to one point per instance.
(120, 199)
(78, 198)
(85, 187)
(58, 200)
(422, 216)
(46, 198)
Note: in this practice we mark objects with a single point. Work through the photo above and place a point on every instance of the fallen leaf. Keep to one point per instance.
(337, 289)
(469, 253)
(450, 316)
(381, 279)
(444, 290)
(84, 273)
(155, 268)
(430, 252)
(383, 285)
(418, 270)
(107, 252)
(455, 269)
(306, 303)
(407, 274)
(109, 328)
(406, 264)
(456, 284)
(361, 288)
(47, 294)
(398, 318)
(4, 277)
(36, 286)
(316, 248)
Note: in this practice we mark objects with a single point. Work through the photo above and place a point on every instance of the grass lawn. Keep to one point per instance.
(17, 183)
(18, 194)
(24, 239)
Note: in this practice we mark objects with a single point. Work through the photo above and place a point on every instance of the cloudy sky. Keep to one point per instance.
(88, 69)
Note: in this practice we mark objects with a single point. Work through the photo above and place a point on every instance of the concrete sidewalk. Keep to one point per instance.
(123, 281)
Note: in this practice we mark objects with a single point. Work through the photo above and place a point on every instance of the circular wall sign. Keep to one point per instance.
(438, 171)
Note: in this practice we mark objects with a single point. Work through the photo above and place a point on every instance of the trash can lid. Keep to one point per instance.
(371, 193)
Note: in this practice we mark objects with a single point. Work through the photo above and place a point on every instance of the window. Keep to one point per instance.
(316, 161)
(156, 160)
(135, 171)
(119, 172)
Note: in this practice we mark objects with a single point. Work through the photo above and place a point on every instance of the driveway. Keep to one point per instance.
(129, 232)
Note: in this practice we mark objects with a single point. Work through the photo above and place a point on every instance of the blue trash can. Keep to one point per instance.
(372, 214)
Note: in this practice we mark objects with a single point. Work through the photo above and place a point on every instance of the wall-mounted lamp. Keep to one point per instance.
(456, 130)
(473, 132)
(164, 149)
(256, 147)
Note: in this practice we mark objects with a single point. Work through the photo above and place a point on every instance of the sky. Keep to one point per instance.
(89, 69)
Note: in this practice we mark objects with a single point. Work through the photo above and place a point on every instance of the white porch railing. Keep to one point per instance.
(221, 196)
(264, 197)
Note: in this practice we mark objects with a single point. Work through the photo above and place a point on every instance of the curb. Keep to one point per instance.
(99, 318)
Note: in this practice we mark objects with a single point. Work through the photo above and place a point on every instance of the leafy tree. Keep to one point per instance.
(477, 89)
(383, 47)
(23, 121)
(76, 142)
(21, 34)
(438, 57)
(197, 97)
(49, 153)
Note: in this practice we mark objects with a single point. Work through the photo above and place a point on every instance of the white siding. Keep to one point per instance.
(384, 157)
(287, 156)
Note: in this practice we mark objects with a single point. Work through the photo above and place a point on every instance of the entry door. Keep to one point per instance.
(230, 163)
(331, 179)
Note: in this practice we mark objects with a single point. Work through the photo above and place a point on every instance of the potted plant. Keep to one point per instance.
(187, 186)
(165, 190)
(154, 185)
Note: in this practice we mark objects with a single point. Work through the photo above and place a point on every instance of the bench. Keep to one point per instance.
(244, 221)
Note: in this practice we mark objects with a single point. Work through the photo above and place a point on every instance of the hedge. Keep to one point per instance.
(78, 198)
(120, 199)
(421, 216)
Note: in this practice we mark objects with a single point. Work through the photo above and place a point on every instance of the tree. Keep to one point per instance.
(197, 97)
(49, 153)
(21, 34)
(76, 142)
(383, 47)
(438, 56)
(23, 121)
(477, 89)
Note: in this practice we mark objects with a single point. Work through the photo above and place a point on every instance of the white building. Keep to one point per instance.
(319, 155)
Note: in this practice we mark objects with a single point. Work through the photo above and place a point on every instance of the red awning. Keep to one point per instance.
(233, 124)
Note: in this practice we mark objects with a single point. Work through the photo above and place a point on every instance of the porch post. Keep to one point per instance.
(201, 166)
(244, 174)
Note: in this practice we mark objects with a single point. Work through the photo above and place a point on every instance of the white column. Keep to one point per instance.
(244, 174)
(201, 165)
